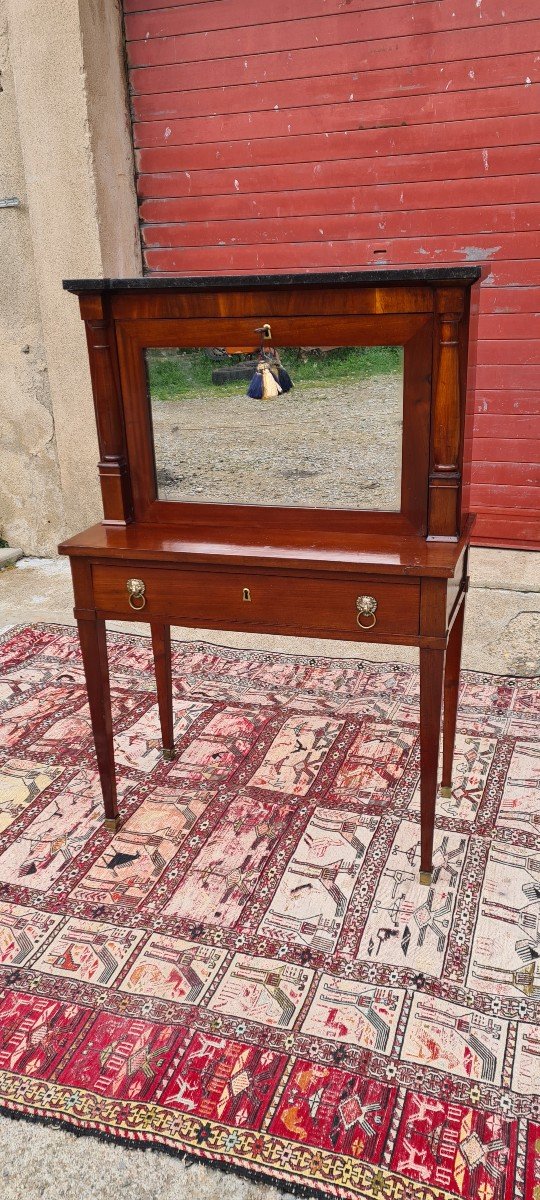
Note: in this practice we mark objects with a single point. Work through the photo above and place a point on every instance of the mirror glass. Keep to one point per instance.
(332, 441)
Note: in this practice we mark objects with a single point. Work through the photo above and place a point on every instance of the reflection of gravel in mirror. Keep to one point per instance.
(335, 446)
(167, 479)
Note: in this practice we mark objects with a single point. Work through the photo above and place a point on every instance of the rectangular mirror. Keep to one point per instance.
(333, 441)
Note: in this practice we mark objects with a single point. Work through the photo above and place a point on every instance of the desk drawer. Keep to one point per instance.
(258, 600)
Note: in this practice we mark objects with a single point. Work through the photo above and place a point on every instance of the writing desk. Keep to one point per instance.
(394, 574)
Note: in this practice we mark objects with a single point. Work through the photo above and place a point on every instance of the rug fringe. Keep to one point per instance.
(190, 1159)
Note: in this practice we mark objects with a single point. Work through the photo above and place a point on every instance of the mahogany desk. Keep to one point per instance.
(396, 577)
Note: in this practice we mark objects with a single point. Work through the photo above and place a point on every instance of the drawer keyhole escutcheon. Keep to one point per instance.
(135, 590)
(246, 594)
(366, 606)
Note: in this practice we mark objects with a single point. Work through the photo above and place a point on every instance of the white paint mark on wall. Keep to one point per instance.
(237, 185)
(168, 132)
(472, 253)
(528, 81)
(485, 160)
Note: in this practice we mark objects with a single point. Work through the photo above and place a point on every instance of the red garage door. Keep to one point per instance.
(343, 133)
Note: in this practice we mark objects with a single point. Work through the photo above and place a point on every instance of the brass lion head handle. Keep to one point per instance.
(135, 590)
(366, 606)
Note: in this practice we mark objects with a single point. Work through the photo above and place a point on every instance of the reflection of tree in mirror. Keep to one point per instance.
(175, 373)
(334, 441)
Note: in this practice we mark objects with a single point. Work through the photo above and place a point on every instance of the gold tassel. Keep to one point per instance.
(271, 387)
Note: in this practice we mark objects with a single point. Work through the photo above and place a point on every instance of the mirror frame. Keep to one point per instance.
(412, 331)
(431, 311)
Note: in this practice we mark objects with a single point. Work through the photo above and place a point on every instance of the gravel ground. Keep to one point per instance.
(303, 448)
(41, 1163)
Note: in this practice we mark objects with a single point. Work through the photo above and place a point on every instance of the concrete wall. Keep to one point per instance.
(31, 503)
(64, 115)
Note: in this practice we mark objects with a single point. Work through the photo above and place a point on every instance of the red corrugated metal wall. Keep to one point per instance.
(341, 133)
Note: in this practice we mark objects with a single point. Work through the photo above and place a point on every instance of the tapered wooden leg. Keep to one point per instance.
(96, 669)
(161, 645)
(451, 692)
(431, 685)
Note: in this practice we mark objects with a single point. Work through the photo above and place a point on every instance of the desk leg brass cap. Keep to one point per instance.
(168, 755)
(112, 824)
(425, 878)
(446, 792)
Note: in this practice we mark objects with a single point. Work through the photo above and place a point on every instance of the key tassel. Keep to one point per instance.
(270, 378)
(255, 389)
(285, 382)
(282, 376)
(264, 385)
(271, 387)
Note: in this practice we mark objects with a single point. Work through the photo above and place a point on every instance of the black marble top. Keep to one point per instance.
(202, 283)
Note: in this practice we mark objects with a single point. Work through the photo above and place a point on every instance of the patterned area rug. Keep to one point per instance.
(249, 971)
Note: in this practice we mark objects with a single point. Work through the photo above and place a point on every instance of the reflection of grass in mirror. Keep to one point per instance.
(173, 374)
(343, 362)
(177, 374)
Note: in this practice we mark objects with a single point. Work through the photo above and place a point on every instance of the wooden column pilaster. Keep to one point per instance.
(445, 474)
(113, 468)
